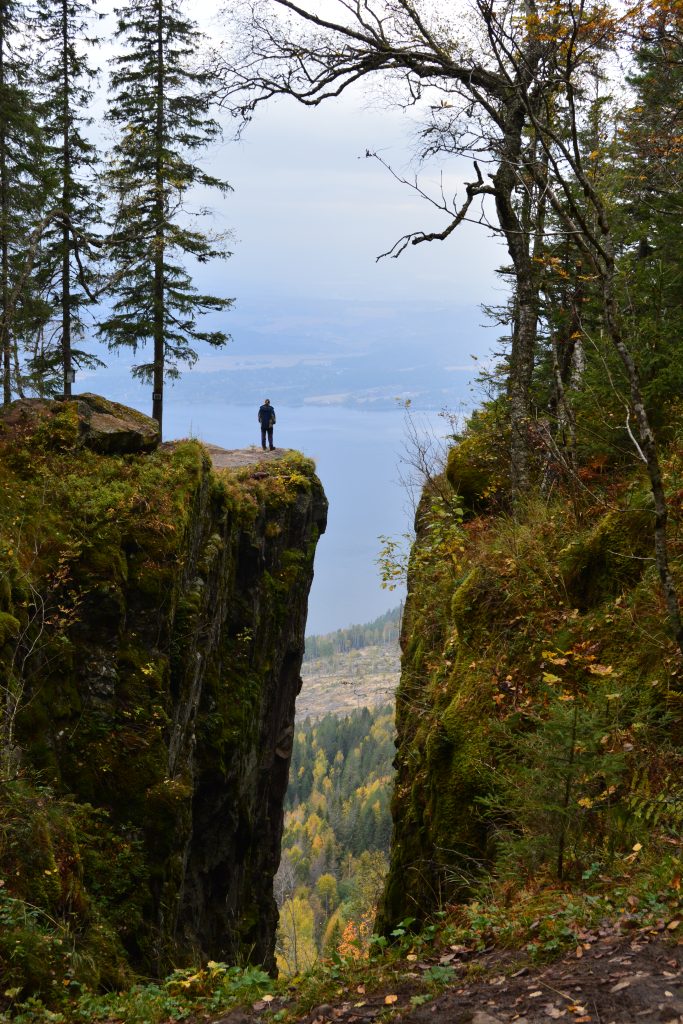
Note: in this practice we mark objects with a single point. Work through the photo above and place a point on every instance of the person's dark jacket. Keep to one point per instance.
(266, 416)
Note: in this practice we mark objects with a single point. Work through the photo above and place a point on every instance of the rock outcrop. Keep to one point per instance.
(106, 427)
(154, 612)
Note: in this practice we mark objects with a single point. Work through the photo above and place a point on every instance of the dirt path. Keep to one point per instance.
(229, 458)
(614, 980)
(612, 983)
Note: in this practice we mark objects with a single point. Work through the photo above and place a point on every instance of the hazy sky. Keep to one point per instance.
(309, 213)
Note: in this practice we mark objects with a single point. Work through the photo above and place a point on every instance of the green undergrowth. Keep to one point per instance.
(497, 931)
(184, 994)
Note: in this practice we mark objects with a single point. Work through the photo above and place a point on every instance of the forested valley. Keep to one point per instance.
(335, 847)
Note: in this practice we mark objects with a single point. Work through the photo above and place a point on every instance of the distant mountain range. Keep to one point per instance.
(366, 355)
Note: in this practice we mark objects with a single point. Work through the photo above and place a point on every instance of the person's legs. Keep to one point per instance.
(270, 437)
(263, 437)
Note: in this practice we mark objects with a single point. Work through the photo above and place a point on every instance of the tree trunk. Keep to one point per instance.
(158, 383)
(526, 306)
(5, 339)
(66, 206)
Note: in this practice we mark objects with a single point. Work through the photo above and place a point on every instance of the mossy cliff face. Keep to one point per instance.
(540, 707)
(152, 616)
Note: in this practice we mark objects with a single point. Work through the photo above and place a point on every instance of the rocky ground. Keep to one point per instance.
(606, 980)
(231, 458)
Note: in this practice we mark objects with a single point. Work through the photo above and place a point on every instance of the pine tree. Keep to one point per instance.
(651, 190)
(24, 186)
(160, 107)
(66, 254)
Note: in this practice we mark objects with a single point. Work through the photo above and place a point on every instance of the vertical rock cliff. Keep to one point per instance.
(152, 615)
(539, 708)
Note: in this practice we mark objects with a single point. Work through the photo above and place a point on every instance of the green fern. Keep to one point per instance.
(661, 809)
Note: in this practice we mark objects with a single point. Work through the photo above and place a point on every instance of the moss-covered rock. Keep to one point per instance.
(89, 420)
(610, 558)
(477, 464)
(539, 708)
(152, 616)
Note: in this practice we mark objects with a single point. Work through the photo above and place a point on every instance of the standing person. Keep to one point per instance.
(266, 417)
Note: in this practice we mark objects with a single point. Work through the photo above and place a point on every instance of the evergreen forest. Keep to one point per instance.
(335, 846)
(95, 242)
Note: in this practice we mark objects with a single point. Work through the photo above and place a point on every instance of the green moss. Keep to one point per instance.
(9, 628)
(119, 577)
(544, 612)
(477, 465)
(610, 558)
(477, 603)
(58, 431)
(168, 815)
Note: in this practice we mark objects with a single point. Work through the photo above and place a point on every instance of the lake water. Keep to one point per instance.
(357, 454)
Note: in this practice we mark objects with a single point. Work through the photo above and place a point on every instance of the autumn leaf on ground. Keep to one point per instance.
(555, 659)
(390, 1000)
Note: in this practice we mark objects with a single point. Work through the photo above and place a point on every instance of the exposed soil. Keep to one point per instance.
(612, 980)
(612, 983)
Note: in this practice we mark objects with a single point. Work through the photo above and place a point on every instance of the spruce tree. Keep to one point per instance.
(24, 188)
(160, 107)
(65, 264)
(651, 192)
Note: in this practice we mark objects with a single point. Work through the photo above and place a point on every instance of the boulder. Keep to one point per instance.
(114, 429)
(106, 427)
